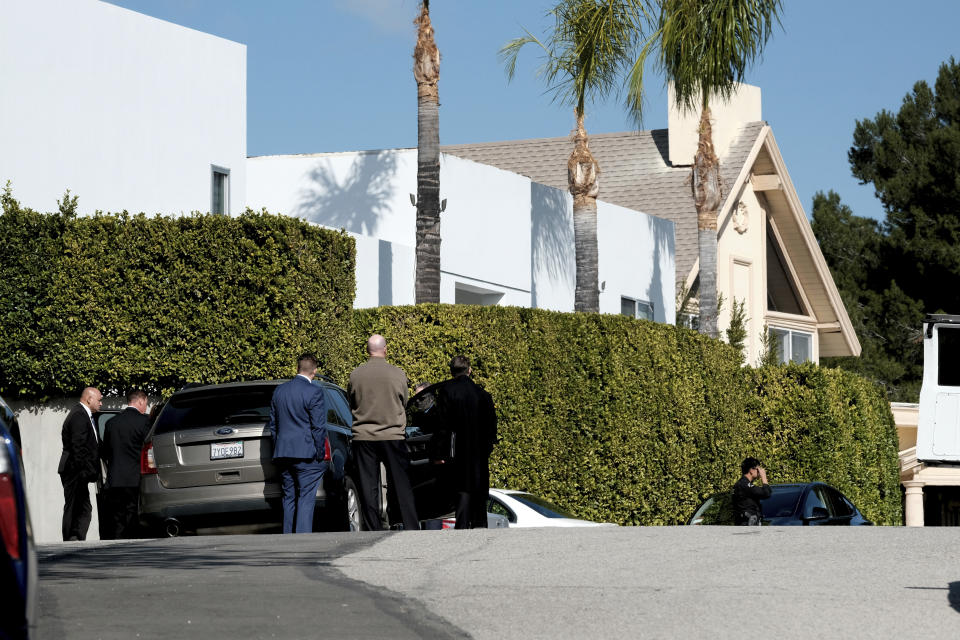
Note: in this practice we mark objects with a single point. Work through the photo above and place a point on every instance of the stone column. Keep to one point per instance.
(914, 503)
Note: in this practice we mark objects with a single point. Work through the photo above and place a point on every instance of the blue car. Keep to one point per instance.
(808, 503)
(18, 559)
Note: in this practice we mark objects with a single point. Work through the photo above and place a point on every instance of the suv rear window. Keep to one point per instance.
(216, 407)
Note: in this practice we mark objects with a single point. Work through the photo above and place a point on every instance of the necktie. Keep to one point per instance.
(93, 426)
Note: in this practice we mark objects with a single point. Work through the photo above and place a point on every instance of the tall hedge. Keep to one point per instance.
(634, 422)
(123, 300)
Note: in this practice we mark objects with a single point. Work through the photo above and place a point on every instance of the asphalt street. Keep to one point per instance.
(643, 582)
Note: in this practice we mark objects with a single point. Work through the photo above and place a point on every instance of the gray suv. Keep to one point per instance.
(207, 461)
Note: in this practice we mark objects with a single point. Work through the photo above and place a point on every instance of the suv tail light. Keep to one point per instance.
(147, 463)
(326, 449)
(9, 525)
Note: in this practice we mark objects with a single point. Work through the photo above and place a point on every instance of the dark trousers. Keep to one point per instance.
(121, 516)
(471, 510)
(299, 480)
(393, 455)
(76, 507)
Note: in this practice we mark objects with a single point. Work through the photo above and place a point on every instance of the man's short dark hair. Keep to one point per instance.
(306, 362)
(133, 395)
(459, 365)
(747, 464)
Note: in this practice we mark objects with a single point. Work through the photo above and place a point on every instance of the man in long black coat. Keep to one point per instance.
(79, 464)
(468, 412)
(122, 440)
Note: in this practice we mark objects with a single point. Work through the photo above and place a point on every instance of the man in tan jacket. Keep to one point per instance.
(378, 399)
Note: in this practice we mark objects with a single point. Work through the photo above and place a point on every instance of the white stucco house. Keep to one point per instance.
(127, 111)
(505, 239)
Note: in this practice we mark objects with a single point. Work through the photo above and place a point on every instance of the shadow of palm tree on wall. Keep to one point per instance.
(355, 202)
(662, 236)
(552, 237)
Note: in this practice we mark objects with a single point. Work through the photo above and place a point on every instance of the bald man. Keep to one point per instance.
(378, 400)
(79, 464)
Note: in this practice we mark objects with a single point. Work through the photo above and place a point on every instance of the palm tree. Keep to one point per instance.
(589, 48)
(705, 47)
(426, 71)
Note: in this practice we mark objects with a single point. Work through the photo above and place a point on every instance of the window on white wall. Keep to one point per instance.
(220, 190)
(792, 345)
(636, 308)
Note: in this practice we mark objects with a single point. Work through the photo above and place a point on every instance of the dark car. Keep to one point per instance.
(208, 461)
(18, 561)
(810, 503)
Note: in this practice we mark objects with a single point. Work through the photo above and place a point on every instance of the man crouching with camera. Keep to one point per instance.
(747, 497)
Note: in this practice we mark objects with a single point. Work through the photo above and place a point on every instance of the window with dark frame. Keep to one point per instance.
(636, 308)
(220, 191)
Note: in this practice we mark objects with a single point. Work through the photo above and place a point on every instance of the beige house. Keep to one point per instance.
(767, 255)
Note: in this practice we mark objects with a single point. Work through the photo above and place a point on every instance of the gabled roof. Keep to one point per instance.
(634, 173)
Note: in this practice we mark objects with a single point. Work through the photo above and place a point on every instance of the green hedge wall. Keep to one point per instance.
(124, 300)
(634, 422)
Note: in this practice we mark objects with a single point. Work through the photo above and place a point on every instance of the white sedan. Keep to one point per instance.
(526, 510)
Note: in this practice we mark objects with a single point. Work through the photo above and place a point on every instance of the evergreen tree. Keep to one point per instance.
(890, 275)
(887, 320)
(912, 158)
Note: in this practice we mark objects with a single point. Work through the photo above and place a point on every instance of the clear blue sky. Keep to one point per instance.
(335, 75)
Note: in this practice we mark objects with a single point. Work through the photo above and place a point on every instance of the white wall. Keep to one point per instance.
(364, 192)
(385, 272)
(127, 111)
(636, 260)
(636, 256)
(485, 230)
(553, 259)
(504, 239)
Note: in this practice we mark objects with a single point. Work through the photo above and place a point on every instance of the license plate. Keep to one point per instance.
(222, 450)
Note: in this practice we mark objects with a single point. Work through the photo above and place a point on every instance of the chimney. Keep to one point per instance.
(727, 118)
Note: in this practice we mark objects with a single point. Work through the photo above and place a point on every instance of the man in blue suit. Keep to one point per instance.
(298, 426)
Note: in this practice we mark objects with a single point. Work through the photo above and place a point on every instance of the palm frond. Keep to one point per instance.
(706, 48)
(509, 53)
(588, 50)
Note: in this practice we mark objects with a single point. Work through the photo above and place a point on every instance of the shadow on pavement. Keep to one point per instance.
(223, 586)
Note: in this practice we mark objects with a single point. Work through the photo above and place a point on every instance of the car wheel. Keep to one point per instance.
(351, 505)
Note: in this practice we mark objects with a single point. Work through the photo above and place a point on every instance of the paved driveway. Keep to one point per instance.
(562, 583)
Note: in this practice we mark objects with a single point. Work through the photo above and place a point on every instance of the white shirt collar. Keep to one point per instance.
(305, 378)
(87, 409)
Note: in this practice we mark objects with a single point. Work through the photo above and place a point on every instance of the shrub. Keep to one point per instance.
(634, 422)
(130, 300)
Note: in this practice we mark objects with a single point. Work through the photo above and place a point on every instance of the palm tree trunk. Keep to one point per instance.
(706, 196)
(583, 177)
(426, 71)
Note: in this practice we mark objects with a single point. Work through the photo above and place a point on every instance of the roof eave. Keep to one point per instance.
(768, 141)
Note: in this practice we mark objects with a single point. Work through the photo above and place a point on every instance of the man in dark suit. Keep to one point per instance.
(298, 426)
(468, 412)
(79, 464)
(122, 440)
